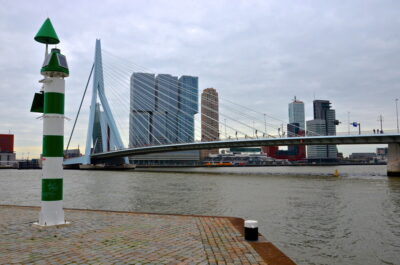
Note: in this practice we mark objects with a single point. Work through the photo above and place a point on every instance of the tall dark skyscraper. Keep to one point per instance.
(320, 109)
(323, 111)
(324, 123)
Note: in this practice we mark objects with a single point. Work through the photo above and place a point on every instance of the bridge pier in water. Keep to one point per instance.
(393, 163)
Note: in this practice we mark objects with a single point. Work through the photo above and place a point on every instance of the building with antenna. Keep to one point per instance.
(295, 127)
(296, 113)
(165, 118)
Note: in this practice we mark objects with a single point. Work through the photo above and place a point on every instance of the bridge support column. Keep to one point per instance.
(393, 164)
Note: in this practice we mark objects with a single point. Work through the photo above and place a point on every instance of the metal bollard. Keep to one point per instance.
(251, 230)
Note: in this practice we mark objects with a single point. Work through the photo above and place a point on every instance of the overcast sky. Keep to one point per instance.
(257, 53)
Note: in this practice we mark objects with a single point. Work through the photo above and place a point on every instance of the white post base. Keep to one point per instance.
(52, 213)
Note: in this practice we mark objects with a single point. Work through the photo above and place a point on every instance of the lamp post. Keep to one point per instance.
(357, 124)
(348, 122)
(380, 119)
(265, 124)
(397, 114)
(226, 136)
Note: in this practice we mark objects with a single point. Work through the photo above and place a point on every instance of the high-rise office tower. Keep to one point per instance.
(296, 113)
(165, 123)
(319, 152)
(188, 107)
(142, 108)
(323, 111)
(209, 119)
(162, 110)
(324, 123)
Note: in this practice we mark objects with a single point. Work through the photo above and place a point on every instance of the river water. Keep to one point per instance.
(312, 216)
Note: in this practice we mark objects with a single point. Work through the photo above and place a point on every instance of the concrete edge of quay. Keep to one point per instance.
(266, 249)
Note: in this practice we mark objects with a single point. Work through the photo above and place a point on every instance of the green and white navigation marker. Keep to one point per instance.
(51, 102)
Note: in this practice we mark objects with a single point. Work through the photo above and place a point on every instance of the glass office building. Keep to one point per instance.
(167, 102)
(296, 113)
(188, 107)
(162, 109)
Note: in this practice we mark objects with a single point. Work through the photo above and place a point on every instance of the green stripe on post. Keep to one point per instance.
(53, 146)
(53, 103)
(52, 189)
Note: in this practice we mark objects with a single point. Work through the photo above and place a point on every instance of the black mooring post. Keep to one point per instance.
(251, 230)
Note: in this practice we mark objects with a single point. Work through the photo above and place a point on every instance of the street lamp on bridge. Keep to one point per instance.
(357, 124)
(397, 115)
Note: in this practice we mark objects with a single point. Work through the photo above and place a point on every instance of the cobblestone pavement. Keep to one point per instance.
(101, 237)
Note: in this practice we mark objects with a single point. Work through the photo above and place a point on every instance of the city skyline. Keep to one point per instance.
(346, 60)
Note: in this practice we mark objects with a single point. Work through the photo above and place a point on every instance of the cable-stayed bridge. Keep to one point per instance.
(236, 125)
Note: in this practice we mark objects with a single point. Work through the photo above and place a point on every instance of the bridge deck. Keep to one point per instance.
(308, 140)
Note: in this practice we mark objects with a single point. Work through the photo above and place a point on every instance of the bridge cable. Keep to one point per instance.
(116, 95)
(165, 81)
(80, 106)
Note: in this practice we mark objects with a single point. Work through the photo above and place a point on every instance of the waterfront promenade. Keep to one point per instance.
(106, 237)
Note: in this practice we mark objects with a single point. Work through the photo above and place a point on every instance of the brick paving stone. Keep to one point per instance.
(103, 237)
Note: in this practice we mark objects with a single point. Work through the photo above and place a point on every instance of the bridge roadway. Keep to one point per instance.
(305, 140)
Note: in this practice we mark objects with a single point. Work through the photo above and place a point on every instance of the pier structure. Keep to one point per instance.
(111, 237)
(393, 163)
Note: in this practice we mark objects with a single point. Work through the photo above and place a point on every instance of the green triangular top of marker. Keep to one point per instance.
(47, 34)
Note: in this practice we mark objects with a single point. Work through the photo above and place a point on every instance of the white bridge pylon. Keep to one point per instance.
(102, 131)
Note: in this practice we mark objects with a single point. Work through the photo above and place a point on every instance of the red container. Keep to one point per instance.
(6, 143)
